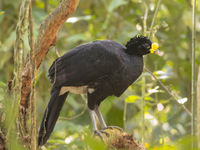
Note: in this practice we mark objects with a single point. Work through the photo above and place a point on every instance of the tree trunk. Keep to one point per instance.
(46, 38)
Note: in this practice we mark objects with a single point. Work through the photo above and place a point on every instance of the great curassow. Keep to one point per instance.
(98, 69)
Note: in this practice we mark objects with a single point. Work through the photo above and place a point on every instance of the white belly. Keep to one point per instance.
(75, 89)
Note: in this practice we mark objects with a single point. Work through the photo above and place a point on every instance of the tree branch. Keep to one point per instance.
(46, 38)
(32, 93)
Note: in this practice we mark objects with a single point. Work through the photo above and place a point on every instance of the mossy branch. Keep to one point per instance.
(33, 74)
(21, 29)
(46, 38)
(120, 140)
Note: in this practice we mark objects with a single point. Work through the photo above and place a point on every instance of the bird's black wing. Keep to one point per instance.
(86, 63)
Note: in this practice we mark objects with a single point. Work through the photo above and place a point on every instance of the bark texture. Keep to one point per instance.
(46, 38)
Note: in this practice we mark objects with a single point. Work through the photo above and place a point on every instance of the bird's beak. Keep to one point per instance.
(154, 49)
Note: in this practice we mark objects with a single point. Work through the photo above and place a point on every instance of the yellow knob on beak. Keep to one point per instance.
(154, 48)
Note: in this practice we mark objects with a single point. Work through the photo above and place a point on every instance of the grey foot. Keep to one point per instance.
(100, 133)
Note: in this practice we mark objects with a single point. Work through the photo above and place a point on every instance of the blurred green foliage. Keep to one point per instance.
(166, 124)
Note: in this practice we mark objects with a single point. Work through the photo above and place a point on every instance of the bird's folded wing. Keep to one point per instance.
(84, 65)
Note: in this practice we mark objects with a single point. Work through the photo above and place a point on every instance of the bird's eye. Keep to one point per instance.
(147, 46)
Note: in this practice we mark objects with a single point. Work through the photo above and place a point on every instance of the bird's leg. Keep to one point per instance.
(102, 122)
(100, 117)
(92, 116)
(96, 131)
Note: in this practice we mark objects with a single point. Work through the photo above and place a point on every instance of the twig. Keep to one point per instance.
(145, 19)
(18, 59)
(19, 43)
(168, 91)
(145, 33)
(124, 115)
(154, 17)
(198, 109)
(78, 115)
(143, 77)
(193, 90)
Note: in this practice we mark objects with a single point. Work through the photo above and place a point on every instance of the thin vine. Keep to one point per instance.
(19, 60)
(193, 90)
(145, 31)
(143, 77)
(198, 108)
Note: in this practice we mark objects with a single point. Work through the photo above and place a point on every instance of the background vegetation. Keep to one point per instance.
(154, 116)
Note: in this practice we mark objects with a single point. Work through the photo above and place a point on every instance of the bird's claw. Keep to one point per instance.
(114, 127)
(100, 133)
(105, 132)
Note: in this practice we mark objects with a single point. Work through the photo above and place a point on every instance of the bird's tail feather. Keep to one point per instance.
(51, 115)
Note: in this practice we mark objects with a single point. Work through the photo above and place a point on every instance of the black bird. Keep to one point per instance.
(98, 69)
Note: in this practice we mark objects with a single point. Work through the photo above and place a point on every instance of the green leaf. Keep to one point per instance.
(131, 98)
(147, 98)
(2, 84)
(94, 143)
(165, 147)
(77, 37)
(1, 12)
(39, 4)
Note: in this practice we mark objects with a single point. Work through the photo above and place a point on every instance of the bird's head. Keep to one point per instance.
(141, 45)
